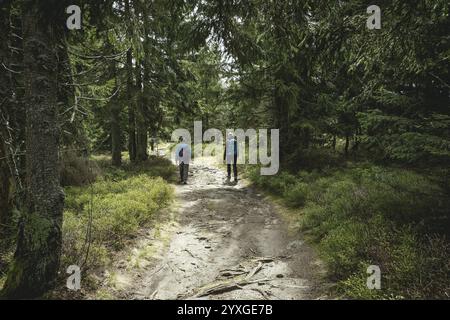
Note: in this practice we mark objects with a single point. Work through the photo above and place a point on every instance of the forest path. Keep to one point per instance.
(221, 241)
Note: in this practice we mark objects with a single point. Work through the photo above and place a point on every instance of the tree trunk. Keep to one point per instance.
(141, 123)
(14, 108)
(281, 122)
(130, 90)
(141, 138)
(347, 143)
(37, 257)
(355, 143)
(116, 135)
(143, 81)
(5, 94)
(5, 191)
(131, 109)
(116, 132)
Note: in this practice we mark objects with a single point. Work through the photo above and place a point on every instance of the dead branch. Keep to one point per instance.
(254, 271)
(225, 287)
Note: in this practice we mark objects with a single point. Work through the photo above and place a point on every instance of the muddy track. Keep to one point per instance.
(222, 241)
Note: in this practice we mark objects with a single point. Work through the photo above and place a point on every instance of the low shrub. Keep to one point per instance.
(114, 210)
(77, 171)
(153, 167)
(277, 184)
(370, 215)
(309, 159)
(297, 195)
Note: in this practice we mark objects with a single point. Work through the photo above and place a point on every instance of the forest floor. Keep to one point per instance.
(218, 241)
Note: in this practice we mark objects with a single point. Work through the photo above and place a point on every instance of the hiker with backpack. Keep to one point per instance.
(182, 158)
(230, 156)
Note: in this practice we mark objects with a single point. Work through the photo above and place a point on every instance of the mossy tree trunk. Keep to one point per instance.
(37, 257)
(5, 93)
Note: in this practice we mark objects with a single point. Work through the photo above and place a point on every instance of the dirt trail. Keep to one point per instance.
(221, 241)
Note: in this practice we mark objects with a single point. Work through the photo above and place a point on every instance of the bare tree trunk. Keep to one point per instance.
(141, 123)
(130, 90)
(141, 140)
(5, 191)
(143, 80)
(14, 109)
(5, 94)
(116, 132)
(132, 134)
(116, 138)
(37, 257)
(131, 109)
(347, 144)
(280, 121)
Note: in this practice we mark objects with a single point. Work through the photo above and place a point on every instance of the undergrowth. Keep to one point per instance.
(370, 215)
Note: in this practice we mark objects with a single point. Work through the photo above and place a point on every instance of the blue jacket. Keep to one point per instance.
(231, 150)
(186, 158)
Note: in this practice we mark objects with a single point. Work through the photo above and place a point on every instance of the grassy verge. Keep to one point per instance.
(99, 218)
(370, 215)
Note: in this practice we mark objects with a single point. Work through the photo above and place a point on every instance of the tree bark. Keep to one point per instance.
(130, 90)
(5, 94)
(131, 109)
(116, 138)
(141, 123)
(5, 191)
(14, 108)
(37, 257)
(143, 80)
(347, 144)
(281, 120)
(116, 131)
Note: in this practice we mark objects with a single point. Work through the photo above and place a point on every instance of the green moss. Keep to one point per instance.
(14, 275)
(37, 230)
